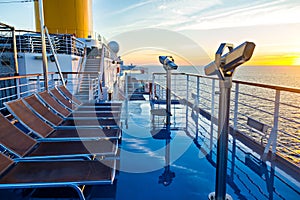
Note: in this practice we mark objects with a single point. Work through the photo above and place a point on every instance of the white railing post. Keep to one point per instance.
(187, 103)
(90, 88)
(273, 135)
(152, 89)
(99, 87)
(212, 113)
(236, 106)
(126, 87)
(18, 88)
(197, 105)
(38, 84)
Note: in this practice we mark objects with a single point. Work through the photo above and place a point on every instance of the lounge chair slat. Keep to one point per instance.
(69, 94)
(15, 139)
(55, 172)
(103, 147)
(62, 99)
(5, 163)
(54, 104)
(34, 102)
(29, 119)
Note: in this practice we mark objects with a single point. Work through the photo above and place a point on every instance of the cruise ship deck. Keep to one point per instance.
(155, 165)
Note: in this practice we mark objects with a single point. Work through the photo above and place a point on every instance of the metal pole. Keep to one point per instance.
(44, 50)
(55, 57)
(223, 130)
(15, 50)
(168, 96)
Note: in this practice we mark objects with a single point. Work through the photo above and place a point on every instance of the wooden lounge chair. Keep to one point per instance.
(24, 114)
(23, 146)
(33, 123)
(40, 109)
(46, 174)
(72, 106)
(73, 99)
(59, 109)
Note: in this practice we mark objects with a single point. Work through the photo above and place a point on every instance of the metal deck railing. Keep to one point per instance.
(275, 107)
(15, 87)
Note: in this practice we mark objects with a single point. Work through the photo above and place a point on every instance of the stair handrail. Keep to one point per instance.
(81, 69)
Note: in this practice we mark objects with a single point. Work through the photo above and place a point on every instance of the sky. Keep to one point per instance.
(189, 30)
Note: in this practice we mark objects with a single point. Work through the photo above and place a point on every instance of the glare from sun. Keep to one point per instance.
(297, 61)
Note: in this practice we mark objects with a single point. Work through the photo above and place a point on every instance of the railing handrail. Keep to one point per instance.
(262, 85)
(19, 76)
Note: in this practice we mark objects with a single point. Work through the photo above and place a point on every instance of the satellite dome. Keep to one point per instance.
(114, 46)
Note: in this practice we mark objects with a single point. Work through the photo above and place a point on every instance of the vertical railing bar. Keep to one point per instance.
(18, 88)
(152, 89)
(213, 91)
(187, 103)
(197, 106)
(272, 141)
(236, 106)
(38, 84)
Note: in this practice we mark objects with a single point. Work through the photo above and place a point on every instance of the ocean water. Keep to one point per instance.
(272, 75)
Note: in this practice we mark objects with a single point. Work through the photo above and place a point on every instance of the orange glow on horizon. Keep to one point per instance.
(150, 57)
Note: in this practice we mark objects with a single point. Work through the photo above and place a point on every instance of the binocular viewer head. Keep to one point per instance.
(168, 62)
(224, 65)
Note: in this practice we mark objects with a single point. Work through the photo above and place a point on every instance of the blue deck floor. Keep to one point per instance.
(143, 173)
(143, 161)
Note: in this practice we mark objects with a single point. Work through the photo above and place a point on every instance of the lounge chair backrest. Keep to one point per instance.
(40, 108)
(62, 99)
(68, 94)
(28, 118)
(54, 104)
(5, 163)
(14, 139)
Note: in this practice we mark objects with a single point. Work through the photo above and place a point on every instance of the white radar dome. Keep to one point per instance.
(114, 46)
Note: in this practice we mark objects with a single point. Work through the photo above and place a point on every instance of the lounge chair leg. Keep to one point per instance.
(79, 191)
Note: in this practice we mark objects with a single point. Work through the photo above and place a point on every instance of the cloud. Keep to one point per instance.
(273, 12)
(131, 7)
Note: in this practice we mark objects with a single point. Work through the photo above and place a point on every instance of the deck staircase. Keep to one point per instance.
(92, 65)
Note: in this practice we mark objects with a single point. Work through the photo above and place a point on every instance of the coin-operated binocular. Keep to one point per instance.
(224, 67)
(168, 62)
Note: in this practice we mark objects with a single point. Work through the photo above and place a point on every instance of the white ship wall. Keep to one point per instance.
(31, 63)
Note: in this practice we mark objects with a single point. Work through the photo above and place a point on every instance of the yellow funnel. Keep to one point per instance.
(66, 17)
